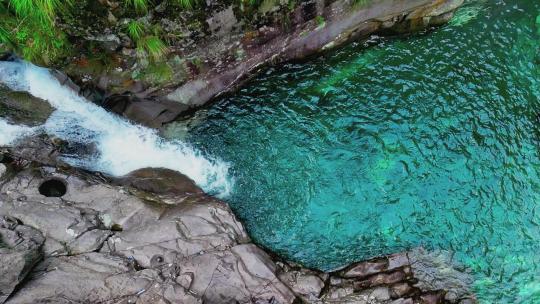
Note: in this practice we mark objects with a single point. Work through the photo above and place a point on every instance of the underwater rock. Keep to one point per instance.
(433, 272)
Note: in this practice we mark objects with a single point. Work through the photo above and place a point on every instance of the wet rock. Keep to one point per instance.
(48, 150)
(8, 56)
(302, 36)
(364, 269)
(305, 284)
(380, 295)
(432, 298)
(434, 271)
(22, 108)
(40, 148)
(20, 250)
(65, 80)
(160, 181)
(401, 289)
(149, 113)
(382, 279)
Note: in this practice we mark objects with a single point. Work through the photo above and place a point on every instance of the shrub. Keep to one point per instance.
(28, 26)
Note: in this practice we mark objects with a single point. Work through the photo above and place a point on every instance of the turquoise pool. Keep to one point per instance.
(429, 140)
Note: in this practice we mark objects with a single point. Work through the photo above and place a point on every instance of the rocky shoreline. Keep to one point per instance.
(225, 51)
(152, 236)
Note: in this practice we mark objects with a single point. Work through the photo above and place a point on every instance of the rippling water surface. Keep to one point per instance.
(428, 140)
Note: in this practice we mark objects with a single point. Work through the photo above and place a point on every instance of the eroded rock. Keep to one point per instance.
(20, 250)
(21, 108)
(98, 278)
(154, 237)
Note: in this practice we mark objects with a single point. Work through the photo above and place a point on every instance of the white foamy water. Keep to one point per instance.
(122, 146)
(9, 133)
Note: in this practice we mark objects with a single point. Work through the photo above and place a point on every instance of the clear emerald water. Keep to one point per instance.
(429, 140)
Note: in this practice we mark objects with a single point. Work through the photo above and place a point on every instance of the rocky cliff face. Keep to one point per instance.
(70, 236)
(213, 51)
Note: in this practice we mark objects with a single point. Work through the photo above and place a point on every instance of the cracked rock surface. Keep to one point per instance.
(154, 237)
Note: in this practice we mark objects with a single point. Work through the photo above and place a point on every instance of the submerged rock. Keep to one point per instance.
(434, 272)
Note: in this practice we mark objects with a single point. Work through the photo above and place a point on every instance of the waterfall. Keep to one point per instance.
(121, 145)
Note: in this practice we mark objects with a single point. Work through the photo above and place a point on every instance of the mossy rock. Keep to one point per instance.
(23, 108)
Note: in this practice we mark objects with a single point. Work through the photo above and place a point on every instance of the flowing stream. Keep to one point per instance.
(429, 140)
(121, 146)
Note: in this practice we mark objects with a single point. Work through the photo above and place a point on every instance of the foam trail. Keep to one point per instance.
(9, 133)
(122, 146)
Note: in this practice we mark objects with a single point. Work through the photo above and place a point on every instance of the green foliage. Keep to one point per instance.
(252, 3)
(156, 73)
(42, 11)
(187, 4)
(28, 27)
(320, 21)
(154, 46)
(138, 5)
(360, 3)
(135, 30)
(147, 43)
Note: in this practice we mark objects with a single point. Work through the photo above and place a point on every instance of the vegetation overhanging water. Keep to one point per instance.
(429, 140)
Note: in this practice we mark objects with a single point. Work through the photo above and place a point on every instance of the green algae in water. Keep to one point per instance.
(468, 12)
(429, 140)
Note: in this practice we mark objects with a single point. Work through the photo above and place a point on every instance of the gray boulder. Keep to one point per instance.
(98, 278)
(22, 108)
(20, 250)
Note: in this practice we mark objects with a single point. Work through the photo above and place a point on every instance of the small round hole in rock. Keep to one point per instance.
(53, 188)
